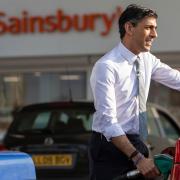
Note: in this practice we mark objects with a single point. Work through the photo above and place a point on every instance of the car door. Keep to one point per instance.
(157, 139)
(169, 126)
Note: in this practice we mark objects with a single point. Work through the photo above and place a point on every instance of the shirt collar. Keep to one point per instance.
(127, 54)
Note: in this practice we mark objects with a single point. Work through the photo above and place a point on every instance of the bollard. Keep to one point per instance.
(16, 166)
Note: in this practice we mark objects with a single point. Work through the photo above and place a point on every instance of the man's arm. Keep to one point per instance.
(145, 165)
(165, 75)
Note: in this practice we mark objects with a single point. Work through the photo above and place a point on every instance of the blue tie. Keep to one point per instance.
(143, 132)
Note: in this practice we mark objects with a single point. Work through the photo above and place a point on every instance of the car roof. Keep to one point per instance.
(56, 105)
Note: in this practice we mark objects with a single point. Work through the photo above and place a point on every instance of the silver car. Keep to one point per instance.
(163, 129)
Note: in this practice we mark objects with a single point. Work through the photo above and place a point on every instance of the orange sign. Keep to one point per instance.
(59, 22)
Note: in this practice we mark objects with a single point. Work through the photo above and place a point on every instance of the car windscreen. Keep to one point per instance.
(54, 121)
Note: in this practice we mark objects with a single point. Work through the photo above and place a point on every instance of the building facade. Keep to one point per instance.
(48, 49)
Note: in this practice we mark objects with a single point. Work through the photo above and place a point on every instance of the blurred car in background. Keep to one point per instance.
(163, 128)
(56, 136)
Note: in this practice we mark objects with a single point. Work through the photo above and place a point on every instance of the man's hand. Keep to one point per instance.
(147, 168)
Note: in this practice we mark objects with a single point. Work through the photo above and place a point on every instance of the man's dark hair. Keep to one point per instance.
(134, 14)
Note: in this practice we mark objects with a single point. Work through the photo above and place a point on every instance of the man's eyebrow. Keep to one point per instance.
(150, 25)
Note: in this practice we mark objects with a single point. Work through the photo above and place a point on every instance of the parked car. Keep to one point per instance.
(56, 136)
(163, 128)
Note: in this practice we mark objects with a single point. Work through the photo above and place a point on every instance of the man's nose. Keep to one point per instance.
(154, 33)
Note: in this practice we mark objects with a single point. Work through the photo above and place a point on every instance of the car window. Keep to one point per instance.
(153, 128)
(63, 118)
(41, 120)
(170, 129)
(87, 120)
(70, 120)
(27, 121)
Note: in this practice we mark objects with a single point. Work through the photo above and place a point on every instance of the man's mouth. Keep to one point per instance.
(149, 42)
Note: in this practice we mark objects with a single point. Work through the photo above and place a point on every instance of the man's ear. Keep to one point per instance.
(129, 28)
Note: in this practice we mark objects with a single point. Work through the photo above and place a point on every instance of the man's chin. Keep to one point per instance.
(147, 48)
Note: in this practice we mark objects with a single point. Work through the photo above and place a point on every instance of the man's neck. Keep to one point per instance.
(130, 46)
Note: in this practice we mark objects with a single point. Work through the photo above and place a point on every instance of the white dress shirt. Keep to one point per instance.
(113, 82)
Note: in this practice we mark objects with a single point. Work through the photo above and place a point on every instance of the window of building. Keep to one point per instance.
(27, 88)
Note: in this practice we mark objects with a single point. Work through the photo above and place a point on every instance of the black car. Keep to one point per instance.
(55, 135)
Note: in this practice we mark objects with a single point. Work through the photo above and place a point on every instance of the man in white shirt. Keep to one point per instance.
(116, 146)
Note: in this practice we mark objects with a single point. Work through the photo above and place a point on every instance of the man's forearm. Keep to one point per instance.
(123, 144)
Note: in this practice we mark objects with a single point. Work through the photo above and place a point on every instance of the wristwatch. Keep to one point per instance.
(138, 157)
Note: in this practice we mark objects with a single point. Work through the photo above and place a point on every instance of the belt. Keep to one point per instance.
(98, 134)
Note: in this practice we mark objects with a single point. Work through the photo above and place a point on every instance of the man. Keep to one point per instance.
(116, 144)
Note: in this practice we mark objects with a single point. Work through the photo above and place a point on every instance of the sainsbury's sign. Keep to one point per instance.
(60, 21)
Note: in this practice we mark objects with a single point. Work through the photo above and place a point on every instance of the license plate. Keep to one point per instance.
(62, 160)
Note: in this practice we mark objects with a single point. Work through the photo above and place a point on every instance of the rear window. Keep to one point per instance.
(56, 121)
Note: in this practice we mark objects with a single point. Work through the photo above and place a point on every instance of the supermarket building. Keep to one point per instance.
(48, 48)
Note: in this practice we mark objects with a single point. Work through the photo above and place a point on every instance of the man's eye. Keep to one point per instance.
(147, 28)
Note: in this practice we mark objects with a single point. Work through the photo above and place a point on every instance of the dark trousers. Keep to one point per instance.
(106, 161)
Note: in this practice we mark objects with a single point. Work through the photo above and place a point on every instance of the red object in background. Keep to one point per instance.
(170, 151)
(175, 173)
(2, 147)
(177, 153)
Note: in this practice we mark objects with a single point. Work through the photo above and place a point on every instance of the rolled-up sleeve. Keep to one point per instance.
(103, 81)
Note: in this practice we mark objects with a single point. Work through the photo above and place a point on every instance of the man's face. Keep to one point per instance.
(143, 34)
